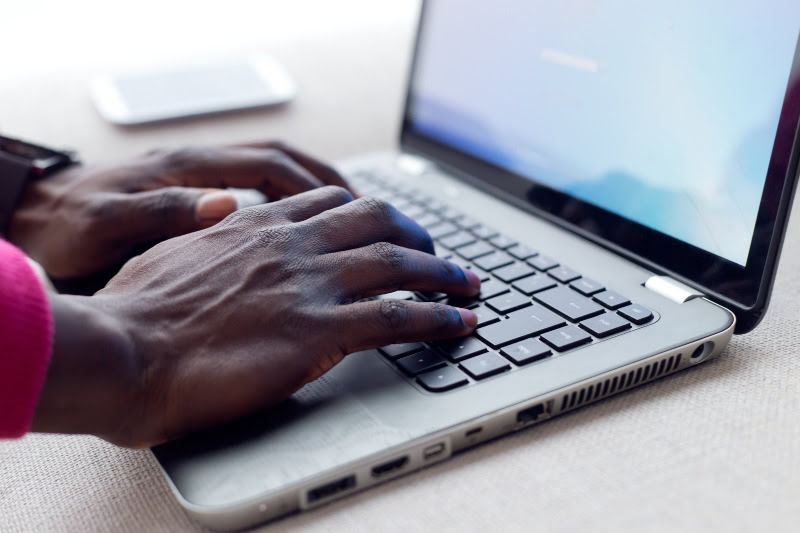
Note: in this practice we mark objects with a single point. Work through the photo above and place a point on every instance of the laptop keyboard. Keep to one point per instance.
(530, 307)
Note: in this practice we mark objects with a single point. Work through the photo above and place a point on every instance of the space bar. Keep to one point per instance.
(524, 323)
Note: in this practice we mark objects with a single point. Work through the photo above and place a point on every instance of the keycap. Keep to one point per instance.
(441, 252)
(513, 272)
(527, 351)
(491, 288)
(461, 348)
(455, 240)
(393, 351)
(441, 230)
(542, 262)
(534, 284)
(611, 299)
(519, 325)
(566, 338)
(485, 315)
(420, 362)
(467, 222)
(442, 380)
(481, 273)
(485, 365)
(484, 232)
(522, 252)
(397, 295)
(506, 303)
(637, 314)
(414, 211)
(563, 274)
(428, 220)
(586, 286)
(495, 260)
(432, 296)
(605, 325)
(569, 303)
(434, 204)
(502, 242)
(450, 213)
(475, 250)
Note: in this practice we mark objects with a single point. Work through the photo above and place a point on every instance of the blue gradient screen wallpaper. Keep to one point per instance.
(662, 112)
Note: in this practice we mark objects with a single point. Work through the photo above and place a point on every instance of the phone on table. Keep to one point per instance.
(142, 97)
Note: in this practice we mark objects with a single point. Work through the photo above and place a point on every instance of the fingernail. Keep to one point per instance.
(215, 206)
(473, 279)
(469, 318)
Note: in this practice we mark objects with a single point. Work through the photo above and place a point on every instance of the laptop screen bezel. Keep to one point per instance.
(743, 290)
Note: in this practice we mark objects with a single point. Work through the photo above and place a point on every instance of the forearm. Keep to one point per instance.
(90, 384)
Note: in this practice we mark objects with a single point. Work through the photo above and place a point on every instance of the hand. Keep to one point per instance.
(85, 219)
(217, 324)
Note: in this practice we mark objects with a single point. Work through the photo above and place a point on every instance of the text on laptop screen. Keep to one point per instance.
(662, 112)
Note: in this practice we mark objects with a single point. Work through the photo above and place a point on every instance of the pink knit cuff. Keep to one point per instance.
(26, 338)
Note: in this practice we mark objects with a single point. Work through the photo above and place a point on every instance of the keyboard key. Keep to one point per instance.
(461, 348)
(484, 232)
(467, 222)
(428, 220)
(611, 299)
(432, 296)
(463, 302)
(475, 250)
(605, 325)
(397, 295)
(566, 338)
(637, 314)
(485, 365)
(481, 273)
(520, 325)
(485, 315)
(569, 303)
(522, 252)
(418, 363)
(502, 242)
(563, 274)
(450, 213)
(442, 380)
(534, 284)
(491, 288)
(442, 230)
(434, 204)
(542, 262)
(393, 351)
(513, 272)
(527, 351)
(462, 238)
(441, 252)
(414, 211)
(508, 302)
(587, 286)
(495, 260)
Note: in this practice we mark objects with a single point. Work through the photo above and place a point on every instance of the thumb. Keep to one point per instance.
(173, 211)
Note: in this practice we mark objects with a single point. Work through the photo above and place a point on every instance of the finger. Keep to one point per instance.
(272, 172)
(382, 268)
(377, 323)
(170, 212)
(363, 222)
(326, 173)
(309, 204)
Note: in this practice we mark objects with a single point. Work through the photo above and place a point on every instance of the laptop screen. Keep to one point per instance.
(664, 113)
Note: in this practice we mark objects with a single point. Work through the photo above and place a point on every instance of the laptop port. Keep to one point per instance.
(329, 489)
(433, 451)
(473, 431)
(391, 466)
(531, 414)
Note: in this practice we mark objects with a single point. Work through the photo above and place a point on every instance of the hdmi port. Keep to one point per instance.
(391, 466)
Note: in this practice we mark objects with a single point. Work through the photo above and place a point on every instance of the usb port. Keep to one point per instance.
(329, 489)
(391, 466)
(531, 414)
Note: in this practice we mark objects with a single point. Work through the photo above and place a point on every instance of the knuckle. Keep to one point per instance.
(163, 204)
(337, 194)
(279, 158)
(179, 159)
(445, 316)
(390, 255)
(394, 314)
(378, 209)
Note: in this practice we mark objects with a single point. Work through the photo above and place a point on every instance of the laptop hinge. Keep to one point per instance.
(671, 289)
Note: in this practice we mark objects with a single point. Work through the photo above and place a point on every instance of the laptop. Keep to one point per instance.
(620, 178)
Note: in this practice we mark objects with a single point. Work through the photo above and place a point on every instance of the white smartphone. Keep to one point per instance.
(142, 97)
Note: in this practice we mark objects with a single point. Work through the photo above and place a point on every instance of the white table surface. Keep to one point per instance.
(716, 448)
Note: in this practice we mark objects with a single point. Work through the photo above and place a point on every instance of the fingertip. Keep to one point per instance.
(214, 206)
(473, 279)
(469, 318)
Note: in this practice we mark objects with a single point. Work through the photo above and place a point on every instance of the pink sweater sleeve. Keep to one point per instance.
(26, 338)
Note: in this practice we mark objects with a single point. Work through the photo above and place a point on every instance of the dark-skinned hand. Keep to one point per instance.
(219, 323)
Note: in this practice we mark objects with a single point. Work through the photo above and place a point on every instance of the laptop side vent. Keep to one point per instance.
(619, 382)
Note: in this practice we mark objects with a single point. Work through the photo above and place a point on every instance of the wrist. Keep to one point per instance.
(92, 382)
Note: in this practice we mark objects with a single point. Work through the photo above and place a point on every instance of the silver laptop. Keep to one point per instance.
(619, 176)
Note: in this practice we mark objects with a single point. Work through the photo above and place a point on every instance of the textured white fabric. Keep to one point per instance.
(716, 448)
